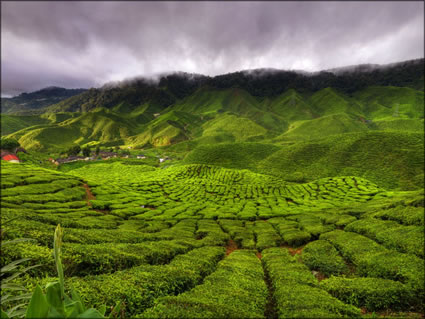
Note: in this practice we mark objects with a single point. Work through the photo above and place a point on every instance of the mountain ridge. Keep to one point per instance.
(222, 121)
(168, 88)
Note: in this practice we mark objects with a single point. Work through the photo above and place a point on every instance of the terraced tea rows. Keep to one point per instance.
(201, 191)
(150, 240)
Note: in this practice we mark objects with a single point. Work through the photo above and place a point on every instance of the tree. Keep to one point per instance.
(125, 152)
(9, 144)
(86, 151)
(74, 150)
(97, 150)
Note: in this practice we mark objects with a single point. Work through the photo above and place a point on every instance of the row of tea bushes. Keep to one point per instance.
(297, 291)
(374, 260)
(235, 290)
(408, 239)
(182, 192)
(243, 236)
(139, 286)
(210, 233)
(320, 255)
(266, 236)
(290, 233)
(406, 215)
(372, 293)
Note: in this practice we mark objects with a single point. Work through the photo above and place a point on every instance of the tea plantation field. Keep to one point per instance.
(195, 241)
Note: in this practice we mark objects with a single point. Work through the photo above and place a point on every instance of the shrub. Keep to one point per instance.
(372, 293)
(240, 275)
(8, 143)
(296, 292)
(322, 255)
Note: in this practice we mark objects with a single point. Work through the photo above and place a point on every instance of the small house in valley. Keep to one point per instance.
(107, 155)
(12, 158)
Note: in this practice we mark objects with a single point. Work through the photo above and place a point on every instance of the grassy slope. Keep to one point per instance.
(323, 126)
(390, 159)
(290, 105)
(102, 126)
(13, 123)
(375, 133)
(393, 160)
(383, 102)
(290, 115)
(239, 127)
(231, 155)
(166, 129)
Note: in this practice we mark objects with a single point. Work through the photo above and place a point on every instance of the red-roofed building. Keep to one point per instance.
(11, 158)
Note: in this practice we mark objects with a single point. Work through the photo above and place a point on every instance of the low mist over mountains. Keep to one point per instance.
(37, 100)
(168, 88)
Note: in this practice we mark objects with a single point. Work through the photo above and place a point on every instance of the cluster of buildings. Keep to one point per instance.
(11, 156)
(103, 155)
(73, 158)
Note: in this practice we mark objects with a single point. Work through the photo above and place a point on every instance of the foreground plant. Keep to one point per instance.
(10, 272)
(55, 303)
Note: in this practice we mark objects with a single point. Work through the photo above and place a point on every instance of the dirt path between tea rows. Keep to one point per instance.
(231, 247)
(89, 194)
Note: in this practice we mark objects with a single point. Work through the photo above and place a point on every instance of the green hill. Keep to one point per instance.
(389, 159)
(393, 160)
(365, 123)
(291, 106)
(231, 155)
(13, 123)
(239, 127)
(102, 126)
(323, 126)
(35, 102)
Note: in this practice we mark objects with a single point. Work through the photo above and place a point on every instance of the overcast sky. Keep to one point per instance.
(86, 44)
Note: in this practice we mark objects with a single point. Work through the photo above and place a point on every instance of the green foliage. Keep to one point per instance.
(86, 151)
(240, 275)
(296, 290)
(138, 287)
(372, 293)
(54, 303)
(409, 239)
(74, 150)
(9, 144)
(231, 155)
(389, 159)
(321, 255)
(153, 237)
(374, 260)
(14, 123)
(9, 272)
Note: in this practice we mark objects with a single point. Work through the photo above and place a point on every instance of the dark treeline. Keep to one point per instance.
(260, 83)
(274, 82)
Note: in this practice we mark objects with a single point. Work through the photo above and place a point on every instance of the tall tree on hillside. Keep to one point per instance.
(86, 151)
(9, 144)
(74, 150)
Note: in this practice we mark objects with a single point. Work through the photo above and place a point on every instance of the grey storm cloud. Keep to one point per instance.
(85, 44)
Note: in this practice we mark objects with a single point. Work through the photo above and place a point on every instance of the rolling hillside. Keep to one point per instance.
(365, 122)
(299, 196)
